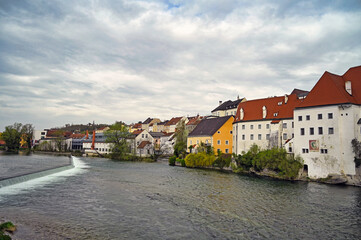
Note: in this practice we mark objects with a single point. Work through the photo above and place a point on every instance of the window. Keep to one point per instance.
(142, 135)
(275, 114)
(293, 135)
(293, 125)
(190, 142)
(312, 131)
(302, 131)
(308, 117)
(230, 132)
(320, 130)
(207, 141)
(227, 151)
(146, 135)
(251, 126)
(284, 125)
(219, 131)
(304, 150)
(197, 141)
(267, 136)
(251, 136)
(330, 130)
(299, 118)
(284, 136)
(259, 126)
(279, 103)
(259, 136)
(219, 142)
(319, 116)
(330, 115)
(267, 126)
(243, 126)
(243, 137)
(324, 151)
(227, 142)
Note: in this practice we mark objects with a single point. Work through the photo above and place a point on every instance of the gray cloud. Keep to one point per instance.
(75, 62)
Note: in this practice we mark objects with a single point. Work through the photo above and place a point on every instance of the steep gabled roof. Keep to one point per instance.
(276, 108)
(330, 89)
(173, 121)
(299, 92)
(148, 120)
(195, 120)
(137, 132)
(208, 126)
(143, 144)
(228, 105)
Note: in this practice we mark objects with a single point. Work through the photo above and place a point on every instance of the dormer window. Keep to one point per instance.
(279, 103)
(275, 114)
(241, 115)
(264, 112)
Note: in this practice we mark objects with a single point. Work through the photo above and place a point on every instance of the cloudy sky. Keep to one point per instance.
(82, 61)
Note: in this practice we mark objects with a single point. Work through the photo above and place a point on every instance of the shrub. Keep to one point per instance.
(275, 159)
(172, 160)
(199, 160)
(223, 160)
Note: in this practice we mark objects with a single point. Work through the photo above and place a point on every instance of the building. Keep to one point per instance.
(171, 125)
(143, 143)
(215, 132)
(227, 108)
(267, 122)
(148, 121)
(193, 122)
(96, 143)
(325, 123)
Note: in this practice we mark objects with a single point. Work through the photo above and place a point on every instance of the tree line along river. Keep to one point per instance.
(104, 199)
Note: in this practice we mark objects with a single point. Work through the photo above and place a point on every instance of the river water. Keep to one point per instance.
(126, 200)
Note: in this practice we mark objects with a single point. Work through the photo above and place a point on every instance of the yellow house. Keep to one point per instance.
(215, 132)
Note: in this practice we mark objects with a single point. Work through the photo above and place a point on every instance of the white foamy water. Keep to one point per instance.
(18, 188)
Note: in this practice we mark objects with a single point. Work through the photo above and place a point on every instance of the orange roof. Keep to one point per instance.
(143, 144)
(195, 120)
(2, 142)
(330, 89)
(173, 121)
(276, 108)
(137, 132)
(77, 136)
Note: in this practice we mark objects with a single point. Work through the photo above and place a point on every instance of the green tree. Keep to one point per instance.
(181, 135)
(28, 132)
(117, 135)
(12, 137)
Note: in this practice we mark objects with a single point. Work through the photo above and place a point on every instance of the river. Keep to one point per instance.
(127, 200)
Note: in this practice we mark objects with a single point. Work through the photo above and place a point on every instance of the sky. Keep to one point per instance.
(82, 61)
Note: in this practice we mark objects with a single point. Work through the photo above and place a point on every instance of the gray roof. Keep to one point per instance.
(207, 127)
(148, 120)
(156, 134)
(228, 105)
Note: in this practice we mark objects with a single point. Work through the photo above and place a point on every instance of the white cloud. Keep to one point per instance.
(105, 61)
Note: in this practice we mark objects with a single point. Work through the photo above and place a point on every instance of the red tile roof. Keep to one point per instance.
(137, 125)
(330, 89)
(137, 132)
(77, 136)
(275, 106)
(2, 142)
(195, 120)
(143, 144)
(173, 121)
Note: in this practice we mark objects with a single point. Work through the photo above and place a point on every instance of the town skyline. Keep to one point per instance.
(81, 62)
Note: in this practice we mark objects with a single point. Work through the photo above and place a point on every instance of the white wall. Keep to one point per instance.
(339, 158)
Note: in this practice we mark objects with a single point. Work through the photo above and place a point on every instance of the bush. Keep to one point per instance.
(199, 160)
(172, 160)
(275, 159)
(223, 160)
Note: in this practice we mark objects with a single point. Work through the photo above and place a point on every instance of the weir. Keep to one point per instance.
(35, 174)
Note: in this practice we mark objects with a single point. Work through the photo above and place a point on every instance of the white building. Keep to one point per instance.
(266, 122)
(227, 108)
(326, 122)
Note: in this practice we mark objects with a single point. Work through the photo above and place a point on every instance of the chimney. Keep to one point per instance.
(286, 98)
(348, 87)
(93, 141)
(238, 97)
(220, 102)
(87, 134)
